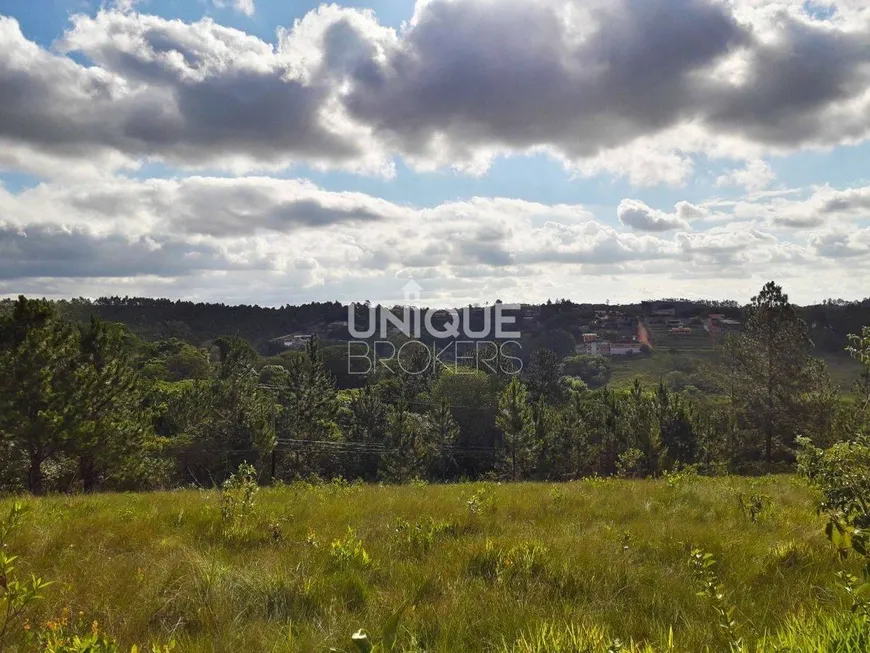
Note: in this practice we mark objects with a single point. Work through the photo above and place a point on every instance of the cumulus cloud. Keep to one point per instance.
(47, 251)
(190, 94)
(841, 245)
(755, 176)
(623, 87)
(292, 237)
(825, 205)
(639, 216)
(244, 6)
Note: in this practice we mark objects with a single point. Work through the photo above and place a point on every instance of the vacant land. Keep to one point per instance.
(314, 563)
(693, 357)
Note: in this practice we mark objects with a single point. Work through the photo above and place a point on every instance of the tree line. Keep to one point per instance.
(85, 404)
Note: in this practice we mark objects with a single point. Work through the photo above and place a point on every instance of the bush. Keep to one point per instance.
(237, 496)
(349, 552)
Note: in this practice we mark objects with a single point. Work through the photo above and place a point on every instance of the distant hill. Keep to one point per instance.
(156, 319)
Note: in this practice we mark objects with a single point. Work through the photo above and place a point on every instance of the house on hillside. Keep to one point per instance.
(293, 340)
(625, 348)
(596, 348)
(665, 312)
(681, 331)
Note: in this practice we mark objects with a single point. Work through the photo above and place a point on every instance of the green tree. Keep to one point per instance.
(441, 434)
(640, 429)
(365, 424)
(857, 420)
(308, 409)
(594, 370)
(473, 398)
(111, 435)
(543, 423)
(226, 421)
(188, 362)
(569, 452)
(40, 405)
(544, 376)
(766, 364)
(676, 427)
(559, 341)
(405, 456)
(517, 426)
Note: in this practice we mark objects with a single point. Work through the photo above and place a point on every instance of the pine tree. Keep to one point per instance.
(544, 374)
(230, 419)
(308, 402)
(516, 424)
(676, 428)
(639, 429)
(767, 362)
(365, 423)
(405, 455)
(113, 428)
(442, 433)
(39, 407)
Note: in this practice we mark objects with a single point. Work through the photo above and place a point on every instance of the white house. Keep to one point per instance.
(624, 348)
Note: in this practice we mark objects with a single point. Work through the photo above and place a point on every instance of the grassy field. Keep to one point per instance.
(691, 353)
(503, 560)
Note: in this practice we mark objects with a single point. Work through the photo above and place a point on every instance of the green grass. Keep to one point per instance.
(690, 352)
(607, 555)
(652, 367)
(844, 370)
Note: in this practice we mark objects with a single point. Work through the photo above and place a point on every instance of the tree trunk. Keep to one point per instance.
(88, 472)
(34, 475)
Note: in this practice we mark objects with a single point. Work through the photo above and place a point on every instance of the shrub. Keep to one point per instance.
(705, 570)
(753, 505)
(16, 595)
(349, 552)
(237, 496)
(420, 537)
(479, 501)
(629, 464)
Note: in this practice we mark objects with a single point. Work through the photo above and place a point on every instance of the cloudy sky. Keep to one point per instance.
(275, 152)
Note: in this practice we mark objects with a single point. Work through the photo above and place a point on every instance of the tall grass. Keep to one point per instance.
(530, 563)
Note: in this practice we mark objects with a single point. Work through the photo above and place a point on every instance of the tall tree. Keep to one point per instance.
(39, 406)
(569, 452)
(308, 402)
(516, 423)
(442, 431)
(405, 456)
(639, 428)
(543, 376)
(365, 424)
(114, 425)
(230, 419)
(767, 362)
(676, 428)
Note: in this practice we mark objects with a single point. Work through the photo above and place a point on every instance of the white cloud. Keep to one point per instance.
(825, 205)
(639, 216)
(755, 176)
(209, 233)
(244, 6)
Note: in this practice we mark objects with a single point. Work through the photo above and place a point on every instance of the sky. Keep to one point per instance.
(274, 152)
